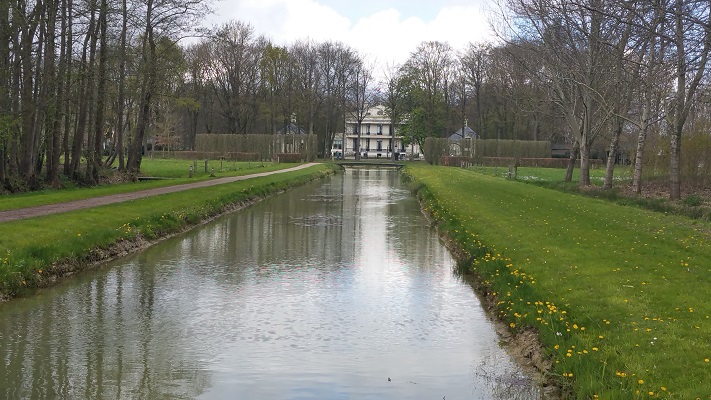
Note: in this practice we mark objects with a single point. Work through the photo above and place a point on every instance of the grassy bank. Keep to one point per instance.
(35, 251)
(694, 204)
(617, 295)
(174, 172)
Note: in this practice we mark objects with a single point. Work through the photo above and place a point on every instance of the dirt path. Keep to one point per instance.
(30, 212)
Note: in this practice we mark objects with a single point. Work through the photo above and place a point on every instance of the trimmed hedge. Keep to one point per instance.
(265, 145)
(288, 158)
(455, 161)
(208, 155)
(534, 162)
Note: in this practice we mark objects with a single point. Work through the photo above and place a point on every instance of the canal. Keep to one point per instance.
(338, 289)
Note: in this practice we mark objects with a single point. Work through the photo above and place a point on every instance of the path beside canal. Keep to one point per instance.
(30, 212)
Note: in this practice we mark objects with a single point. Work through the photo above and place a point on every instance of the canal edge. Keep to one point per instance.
(523, 346)
(96, 257)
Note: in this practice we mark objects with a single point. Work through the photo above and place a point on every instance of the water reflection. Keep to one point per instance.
(324, 292)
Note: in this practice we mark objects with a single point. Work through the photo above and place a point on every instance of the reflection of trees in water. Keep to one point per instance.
(97, 340)
(505, 381)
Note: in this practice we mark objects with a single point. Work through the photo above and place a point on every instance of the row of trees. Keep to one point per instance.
(76, 76)
(618, 68)
(87, 85)
(238, 82)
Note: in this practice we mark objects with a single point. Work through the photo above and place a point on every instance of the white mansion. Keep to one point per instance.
(375, 138)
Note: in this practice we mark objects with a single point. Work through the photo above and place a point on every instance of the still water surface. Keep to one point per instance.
(323, 292)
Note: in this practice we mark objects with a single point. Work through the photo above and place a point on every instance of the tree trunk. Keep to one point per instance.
(5, 86)
(28, 114)
(96, 163)
(83, 91)
(639, 152)
(614, 145)
(91, 103)
(53, 144)
(356, 148)
(571, 162)
(149, 82)
(674, 164)
(584, 164)
(122, 79)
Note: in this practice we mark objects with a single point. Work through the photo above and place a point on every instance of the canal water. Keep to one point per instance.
(338, 289)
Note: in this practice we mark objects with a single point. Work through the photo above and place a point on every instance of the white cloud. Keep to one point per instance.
(385, 36)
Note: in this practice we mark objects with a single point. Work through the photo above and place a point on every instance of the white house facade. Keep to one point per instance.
(376, 139)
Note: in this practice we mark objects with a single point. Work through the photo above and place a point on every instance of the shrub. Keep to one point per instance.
(693, 200)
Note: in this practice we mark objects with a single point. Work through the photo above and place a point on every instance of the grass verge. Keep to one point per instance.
(617, 296)
(175, 172)
(35, 252)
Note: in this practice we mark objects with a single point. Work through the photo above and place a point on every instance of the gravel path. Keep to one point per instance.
(30, 212)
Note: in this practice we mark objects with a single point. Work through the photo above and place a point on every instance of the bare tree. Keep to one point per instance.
(393, 100)
(575, 38)
(691, 41)
(428, 69)
(360, 97)
(162, 20)
(474, 68)
(308, 77)
(652, 88)
(334, 60)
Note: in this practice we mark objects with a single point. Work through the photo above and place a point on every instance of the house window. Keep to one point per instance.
(367, 127)
(380, 145)
(380, 129)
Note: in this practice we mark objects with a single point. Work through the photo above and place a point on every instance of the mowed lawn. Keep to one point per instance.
(540, 174)
(174, 172)
(619, 296)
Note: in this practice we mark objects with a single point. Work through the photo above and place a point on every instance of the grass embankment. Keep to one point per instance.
(175, 172)
(618, 296)
(35, 251)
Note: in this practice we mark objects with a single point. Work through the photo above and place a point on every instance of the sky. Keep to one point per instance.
(384, 31)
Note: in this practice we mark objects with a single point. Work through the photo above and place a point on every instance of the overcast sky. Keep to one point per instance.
(385, 30)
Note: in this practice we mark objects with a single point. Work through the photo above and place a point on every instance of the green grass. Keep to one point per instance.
(174, 168)
(617, 295)
(33, 249)
(176, 172)
(554, 175)
(692, 206)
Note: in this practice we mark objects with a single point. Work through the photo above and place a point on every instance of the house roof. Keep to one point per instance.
(292, 129)
(468, 133)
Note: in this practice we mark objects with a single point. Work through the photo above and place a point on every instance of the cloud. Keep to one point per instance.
(384, 36)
